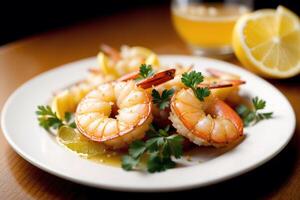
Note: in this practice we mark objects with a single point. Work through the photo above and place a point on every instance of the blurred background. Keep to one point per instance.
(25, 18)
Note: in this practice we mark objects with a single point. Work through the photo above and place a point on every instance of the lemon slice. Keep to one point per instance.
(67, 100)
(130, 61)
(75, 141)
(140, 51)
(152, 59)
(103, 63)
(62, 103)
(267, 42)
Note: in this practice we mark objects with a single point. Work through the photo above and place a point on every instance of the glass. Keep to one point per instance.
(206, 26)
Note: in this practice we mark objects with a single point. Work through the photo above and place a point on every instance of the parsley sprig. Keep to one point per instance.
(145, 72)
(158, 149)
(253, 116)
(49, 120)
(162, 101)
(192, 80)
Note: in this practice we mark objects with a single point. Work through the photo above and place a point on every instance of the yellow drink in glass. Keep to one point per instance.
(207, 27)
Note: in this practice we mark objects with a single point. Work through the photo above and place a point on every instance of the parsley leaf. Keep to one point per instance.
(137, 148)
(252, 116)
(49, 120)
(201, 93)
(156, 163)
(259, 104)
(192, 80)
(128, 162)
(68, 116)
(69, 119)
(153, 144)
(159, 149)
(262, 116)
(163, 100)
(175, 144)
(145, 72)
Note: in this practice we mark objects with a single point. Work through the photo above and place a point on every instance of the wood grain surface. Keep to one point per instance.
(150, 27)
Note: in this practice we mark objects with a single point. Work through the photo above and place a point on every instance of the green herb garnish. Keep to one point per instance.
(158, 149)
(69, 119)
(162, 101)
(252, 116)
(49, 120)
(145, 72)
(192, 80)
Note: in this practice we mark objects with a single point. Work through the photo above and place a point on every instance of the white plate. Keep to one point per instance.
(263, 141)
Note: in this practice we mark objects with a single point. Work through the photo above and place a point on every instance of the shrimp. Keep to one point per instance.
(67, 99)
(160, 116)
(118, 63)
(208, 122)
(222, 88)
(119, 112)
(223, 82)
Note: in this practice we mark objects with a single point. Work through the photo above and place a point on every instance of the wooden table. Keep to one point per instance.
(151, 27)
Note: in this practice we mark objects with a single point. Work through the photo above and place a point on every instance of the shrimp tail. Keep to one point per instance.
(112, 52)
(130, 76)
(157, 79)
(222, 84)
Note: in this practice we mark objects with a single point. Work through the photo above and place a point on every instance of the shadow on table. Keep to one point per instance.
(262, 182)
(289, 81)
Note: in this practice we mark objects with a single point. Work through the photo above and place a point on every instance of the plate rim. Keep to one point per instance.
(36, 162)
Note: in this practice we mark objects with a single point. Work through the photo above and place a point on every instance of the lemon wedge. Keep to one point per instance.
(75, 141)
(67, 100)
(62, 103)
(103, 62)
(140, 51)
(153, 60)
(267, 42)
(132, 58)
(150, 57)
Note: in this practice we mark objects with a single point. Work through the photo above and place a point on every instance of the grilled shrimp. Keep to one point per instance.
(208, 122)
(118, 63)
(118, 113)
(224, 85)
(67, 99)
